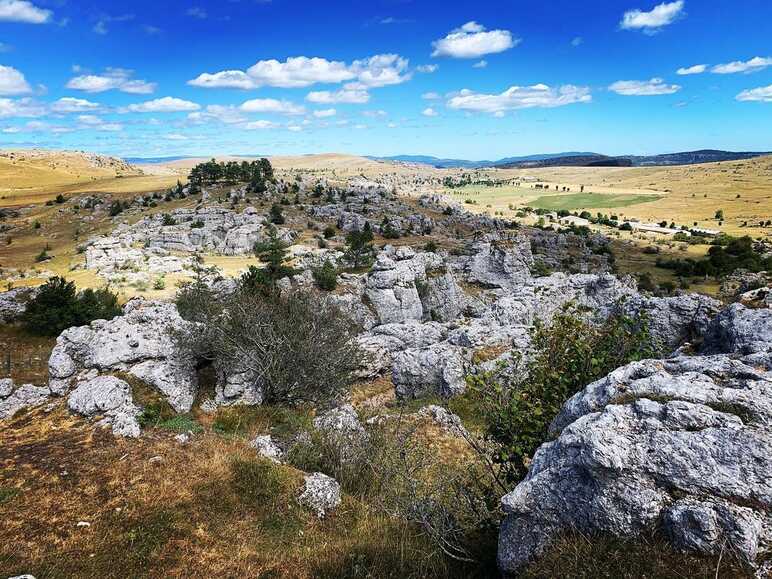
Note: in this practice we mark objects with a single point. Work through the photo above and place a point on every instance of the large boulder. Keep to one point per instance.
(671, 321)
(13, 303)
(13, 398)
(439, 369)
(683, 444)
(392, 286)
(500, 263)
(739, 329)
(110, 398)
(138, 343)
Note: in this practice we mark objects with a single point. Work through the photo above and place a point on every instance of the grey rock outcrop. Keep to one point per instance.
(138, 343)
(13, 303)
(321, 494)
(739, 329)
(267, 448)
(13, 398)
(683, 444)
(111, 398)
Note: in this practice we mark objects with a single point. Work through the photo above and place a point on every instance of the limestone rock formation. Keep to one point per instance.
(13, 398)
(111, 398)
(13, 303)
(138, 343)
(683, 444)
(321, 494)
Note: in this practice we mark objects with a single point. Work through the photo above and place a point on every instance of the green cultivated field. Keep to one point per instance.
(573, 201)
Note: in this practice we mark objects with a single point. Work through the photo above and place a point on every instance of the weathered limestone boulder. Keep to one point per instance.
(439, 370)
(499, 263)
(13, 303)
(237, 386)
(442, 298)
(739, 329)
(321, 494)
(683, 444)
(673, 320)
(109, 254)
(138, 343)
(267, 448)
(391, 285)
(13, 398)
(111, 398)
(341, 421)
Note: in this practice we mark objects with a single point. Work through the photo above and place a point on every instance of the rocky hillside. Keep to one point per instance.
(680, 443)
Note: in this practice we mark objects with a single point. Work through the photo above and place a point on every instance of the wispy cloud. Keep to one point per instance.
(652, 87)
(755, 64)
(520, 97)
(111, 79)
(762, 95)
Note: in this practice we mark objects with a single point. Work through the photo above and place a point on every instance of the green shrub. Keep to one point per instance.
(326, 277)
(518, 405)
(329, 232)
(59, 306)
(167, 220)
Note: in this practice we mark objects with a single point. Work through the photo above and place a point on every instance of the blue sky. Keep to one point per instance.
(479, 80)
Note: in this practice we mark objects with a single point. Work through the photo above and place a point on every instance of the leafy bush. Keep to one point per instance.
(520, 400)
(59, 306)
(167, 220)
(326, 277)
(329, 232)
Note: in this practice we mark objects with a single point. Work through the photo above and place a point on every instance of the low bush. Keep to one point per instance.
(326, 277)
(58, 306)
(297, 347)
(520, 399)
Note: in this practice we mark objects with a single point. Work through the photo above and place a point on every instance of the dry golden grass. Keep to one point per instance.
(689, 194)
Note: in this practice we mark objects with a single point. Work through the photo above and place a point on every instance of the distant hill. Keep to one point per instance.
(581, 159)
(464, 164)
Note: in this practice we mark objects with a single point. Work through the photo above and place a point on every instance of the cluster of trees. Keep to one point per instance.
(725, 256)
(256, 173)
(58, 306)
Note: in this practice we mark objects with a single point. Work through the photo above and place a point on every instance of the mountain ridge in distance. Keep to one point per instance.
(583, 159)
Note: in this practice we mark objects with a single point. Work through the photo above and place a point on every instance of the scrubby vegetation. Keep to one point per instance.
(59, 306)
(725, 256)
(519, 400)
(298, 348)
(255, 173)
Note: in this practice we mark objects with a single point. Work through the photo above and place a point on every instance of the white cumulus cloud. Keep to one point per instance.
(112, 79)
(12, 82)
(344, 95)
(427, 68)
(652, 87)
(762, 94)
(10, 108)
(323, 114)
(520, 97)
(654, 20)
(301, 72)
(696, 69)
(753, 65)
(472, 40)
(272, 106)
(429, 112)
(23, 11)
(164, 105)
(73, 105)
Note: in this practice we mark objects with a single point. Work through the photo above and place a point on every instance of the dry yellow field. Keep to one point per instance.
(689, 194)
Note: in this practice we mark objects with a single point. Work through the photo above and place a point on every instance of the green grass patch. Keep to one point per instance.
(248, 420)
(574, 201)
(181, 423)
(7, 494)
